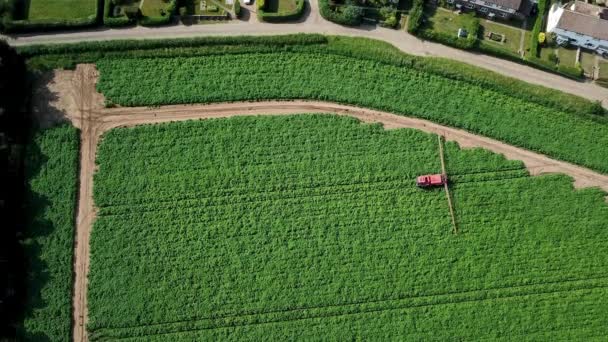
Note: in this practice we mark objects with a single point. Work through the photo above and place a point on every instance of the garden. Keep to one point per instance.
(144, 12)
(28, 15)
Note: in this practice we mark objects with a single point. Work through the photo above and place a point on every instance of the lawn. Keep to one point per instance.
(154, 8)
(280, 5)
(604, 70)
(52, 170)
(442, 20)
(566, 56)
(61, 9)
(311, 227)
(512, 35)
(587, 62)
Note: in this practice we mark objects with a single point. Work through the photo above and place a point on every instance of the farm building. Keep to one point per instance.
(580, 24)
(505, 9)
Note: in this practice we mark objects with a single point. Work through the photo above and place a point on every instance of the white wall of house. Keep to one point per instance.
(584, 41)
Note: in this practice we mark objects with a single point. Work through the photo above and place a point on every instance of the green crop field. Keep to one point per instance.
(52, 171)
(311, 227)
(306, 75)
(61, 9)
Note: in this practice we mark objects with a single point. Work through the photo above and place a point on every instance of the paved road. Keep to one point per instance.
(314, 23)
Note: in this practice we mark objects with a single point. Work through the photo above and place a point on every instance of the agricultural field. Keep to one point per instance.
(52, 171)
(311, 226)
(60, 9)
(366, 82)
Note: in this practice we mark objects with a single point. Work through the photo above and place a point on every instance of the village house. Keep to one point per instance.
(503, 9)
(580, 24)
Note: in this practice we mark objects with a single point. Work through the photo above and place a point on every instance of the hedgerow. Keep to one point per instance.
(362, 82)
(280, 228)
(52, 170)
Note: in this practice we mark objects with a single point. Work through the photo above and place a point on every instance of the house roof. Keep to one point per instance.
(512, 4)
(583, 23)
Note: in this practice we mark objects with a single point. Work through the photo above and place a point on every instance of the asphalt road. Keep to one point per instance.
(312, 22)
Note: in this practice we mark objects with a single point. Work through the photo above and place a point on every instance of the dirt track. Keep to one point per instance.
(86, 112)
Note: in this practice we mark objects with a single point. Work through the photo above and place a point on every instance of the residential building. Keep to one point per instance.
(580, 24)
(504, 9)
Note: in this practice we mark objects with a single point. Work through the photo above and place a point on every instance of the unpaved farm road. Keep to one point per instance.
(312, 22)
(95, 120)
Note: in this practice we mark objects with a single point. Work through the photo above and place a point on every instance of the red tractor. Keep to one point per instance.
(427, 181)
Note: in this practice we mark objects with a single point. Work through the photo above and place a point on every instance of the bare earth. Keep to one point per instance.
(71, 96)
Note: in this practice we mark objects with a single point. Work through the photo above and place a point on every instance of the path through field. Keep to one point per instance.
(87, 113)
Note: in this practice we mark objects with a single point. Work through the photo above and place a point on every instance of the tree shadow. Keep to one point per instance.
(37, 226)
(44, 113)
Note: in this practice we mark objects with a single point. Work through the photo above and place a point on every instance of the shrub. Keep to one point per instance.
(350, 15)
(112, 21)
(237, 8)
(283, 16)
(415, 17)
(543, 7)
(574, 72)
(389, 17)
(261, 4)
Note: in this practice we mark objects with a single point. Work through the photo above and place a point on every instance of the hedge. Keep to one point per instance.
(111, 21)
(450, 39)
(161, 19)
(543, 7)
(415, 16)
(51, 24)
(237, 8)
(275, 17)
(350, 15)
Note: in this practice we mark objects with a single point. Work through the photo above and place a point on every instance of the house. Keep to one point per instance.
(504, 9)
(580, 24)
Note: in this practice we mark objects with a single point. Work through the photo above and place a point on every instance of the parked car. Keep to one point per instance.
(248, 2)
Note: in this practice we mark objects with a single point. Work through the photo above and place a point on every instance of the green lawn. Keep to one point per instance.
(442, 20)
(280, 5)
(311, 227)
(154, 8)
(604, 70)
(587, 61)
(566, 56)
(61, 9)
(512, 35)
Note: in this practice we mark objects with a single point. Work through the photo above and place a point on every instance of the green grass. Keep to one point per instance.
(311, 227)
(442, 20)
(52, 171)
(145, 82)
(61, 9)
(512, 35)
(280, 5)
(154, 8)
(604, 70)
(587, 61)
(567, 56)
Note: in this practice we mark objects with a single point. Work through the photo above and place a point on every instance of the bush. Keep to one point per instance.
(237, 8)
(283, 16)
(415, 17)
(111, 21)
(26, 25)
(261, 4)
(389, 17)
(574, 72)
(350, 15)
(543, 7)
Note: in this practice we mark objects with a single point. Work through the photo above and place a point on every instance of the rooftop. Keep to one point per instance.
(585, 19)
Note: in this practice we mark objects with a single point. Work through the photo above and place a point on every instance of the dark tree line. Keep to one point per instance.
(13, 136)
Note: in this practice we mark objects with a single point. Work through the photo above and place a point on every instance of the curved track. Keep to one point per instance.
(95, 120)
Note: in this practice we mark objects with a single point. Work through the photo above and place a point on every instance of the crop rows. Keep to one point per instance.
(52, 171)
(323, 76)
(311, 225)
